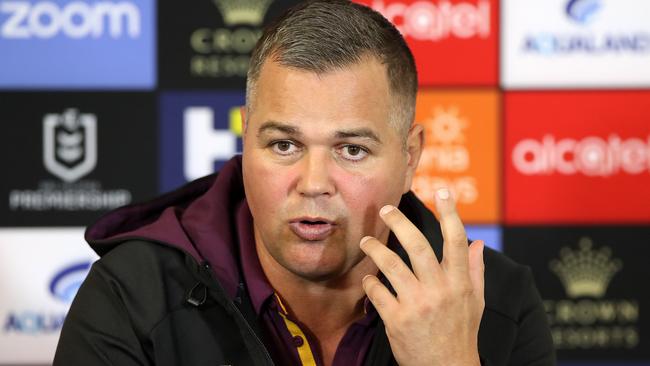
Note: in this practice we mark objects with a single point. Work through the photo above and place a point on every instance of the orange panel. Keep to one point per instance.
(461, 150)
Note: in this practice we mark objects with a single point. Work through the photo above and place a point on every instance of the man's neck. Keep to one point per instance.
(339, 300)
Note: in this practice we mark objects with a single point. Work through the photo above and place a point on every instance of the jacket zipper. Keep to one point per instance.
(206, 268)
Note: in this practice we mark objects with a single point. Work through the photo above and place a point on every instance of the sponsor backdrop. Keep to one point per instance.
(41, 270)
(537, 116)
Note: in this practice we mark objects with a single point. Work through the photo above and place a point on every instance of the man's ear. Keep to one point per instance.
(414, 144)
(242, 112)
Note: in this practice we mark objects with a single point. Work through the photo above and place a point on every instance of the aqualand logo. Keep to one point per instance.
(592, 156)
(435, 21)
(583, 11)
(75, 19)
(66, 282)
(590, 41)
(63, 287)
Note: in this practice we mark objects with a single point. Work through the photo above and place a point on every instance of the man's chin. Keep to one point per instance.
(317, 274)
(316, 267)
(320, 268)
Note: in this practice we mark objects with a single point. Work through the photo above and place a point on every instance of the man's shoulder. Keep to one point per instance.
(144, 280)
(514, 327)
(141, 255)
(151, 271)
(509, 286)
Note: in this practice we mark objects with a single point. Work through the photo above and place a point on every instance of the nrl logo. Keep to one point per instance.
(243, 11)
(70, 144)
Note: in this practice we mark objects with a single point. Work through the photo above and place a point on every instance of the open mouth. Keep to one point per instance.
(312, 229)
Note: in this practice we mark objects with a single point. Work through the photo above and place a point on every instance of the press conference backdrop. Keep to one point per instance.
(537, 115)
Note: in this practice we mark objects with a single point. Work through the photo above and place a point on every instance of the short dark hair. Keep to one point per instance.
(325, 35)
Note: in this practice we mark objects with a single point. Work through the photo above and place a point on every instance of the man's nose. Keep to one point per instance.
(315, 176)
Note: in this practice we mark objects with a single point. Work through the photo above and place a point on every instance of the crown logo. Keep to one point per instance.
(585, 272)
(243, 11)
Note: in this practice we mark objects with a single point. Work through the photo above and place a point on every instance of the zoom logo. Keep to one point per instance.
(75, 20)
(582, 11)
(77, 44)
(66, 283)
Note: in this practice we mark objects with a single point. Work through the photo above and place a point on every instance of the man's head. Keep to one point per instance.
(322, 36)
(323, 148)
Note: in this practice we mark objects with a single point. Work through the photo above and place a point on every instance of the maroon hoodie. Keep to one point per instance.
(196, 218)
(209, 219)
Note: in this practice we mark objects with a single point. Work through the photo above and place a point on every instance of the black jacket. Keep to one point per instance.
(151, 301)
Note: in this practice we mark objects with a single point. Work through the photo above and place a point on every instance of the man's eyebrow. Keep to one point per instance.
(358, 132)
(278, 126)
(295, 131)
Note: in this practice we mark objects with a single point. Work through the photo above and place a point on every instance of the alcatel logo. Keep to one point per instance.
(433, 21)
(590, 156)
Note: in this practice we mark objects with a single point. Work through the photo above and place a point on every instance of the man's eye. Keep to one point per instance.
(353, 152)
(284, 147)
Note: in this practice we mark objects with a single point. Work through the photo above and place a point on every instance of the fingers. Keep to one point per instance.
(477, 266)
(379, 295)
(455, 249)
(390, 264)
(423, 259)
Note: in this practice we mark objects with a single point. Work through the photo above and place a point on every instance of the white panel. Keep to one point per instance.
(575, 43)
(30, 313)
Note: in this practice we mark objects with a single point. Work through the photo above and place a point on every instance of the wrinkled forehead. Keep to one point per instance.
(272, 66)
(356, 92)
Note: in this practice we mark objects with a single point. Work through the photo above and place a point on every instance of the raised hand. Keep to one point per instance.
(435, 317)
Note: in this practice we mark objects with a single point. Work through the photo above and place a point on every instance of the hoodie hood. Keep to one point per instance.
(197, 218)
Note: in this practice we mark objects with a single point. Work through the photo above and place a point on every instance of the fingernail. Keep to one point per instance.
(386, 209)
(443, 193)
(364, 239)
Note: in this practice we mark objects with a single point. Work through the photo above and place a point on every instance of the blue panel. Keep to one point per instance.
(173, 106)
(77, 44)
(491, 235)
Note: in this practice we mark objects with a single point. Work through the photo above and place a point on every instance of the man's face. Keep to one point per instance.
(320, 159)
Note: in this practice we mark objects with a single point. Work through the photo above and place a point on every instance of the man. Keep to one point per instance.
(285, 256)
